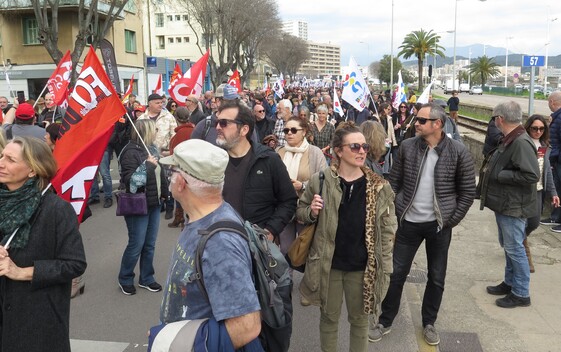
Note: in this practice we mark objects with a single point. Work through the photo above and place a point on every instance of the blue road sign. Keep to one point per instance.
(533, 60)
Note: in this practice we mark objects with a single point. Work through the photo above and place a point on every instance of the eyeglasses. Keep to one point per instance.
(292, 130)
(494, 117)
(355, 147)
(260, 111)
(224, 122)
(403, 107)
(173, 105)
(537, 129)
(169, 171)
(422, 120)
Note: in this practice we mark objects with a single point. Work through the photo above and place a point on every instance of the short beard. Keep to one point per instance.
(228, 145)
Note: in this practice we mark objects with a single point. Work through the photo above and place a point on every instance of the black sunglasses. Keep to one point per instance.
(292, 130)
(403, 107)
(355, 147)
(224, 122)
(423, 120)
(260, 111)
(537, 129)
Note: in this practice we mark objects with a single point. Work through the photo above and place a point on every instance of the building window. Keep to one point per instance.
(170, 18)
(178, 17)
(186, 39)
(161, 41)
(185, 18)
(159, 20)
(130, 41)
(30, 31)
(178, 40)
(170, 40)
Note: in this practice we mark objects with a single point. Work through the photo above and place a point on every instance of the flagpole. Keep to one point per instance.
(8, 79)
(138, 134)
(40, 94)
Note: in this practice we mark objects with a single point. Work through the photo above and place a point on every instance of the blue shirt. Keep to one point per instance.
(226, 264)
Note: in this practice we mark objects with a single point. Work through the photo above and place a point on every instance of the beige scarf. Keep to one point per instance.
(292, 158)
(391, 131)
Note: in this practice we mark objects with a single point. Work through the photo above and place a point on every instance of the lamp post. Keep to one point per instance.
(506, 62)
(391, 55)
(546, 50)
(455, 32)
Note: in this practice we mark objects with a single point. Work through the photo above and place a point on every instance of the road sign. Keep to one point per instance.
(533, 60)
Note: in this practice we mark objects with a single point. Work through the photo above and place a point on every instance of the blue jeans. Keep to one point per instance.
(556, 168)
(517, 270)
(408, 238)
(104, 171)
(143, 231)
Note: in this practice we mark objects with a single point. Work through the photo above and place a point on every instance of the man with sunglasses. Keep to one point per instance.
(434, 181)
(508, 187)
(263, 126)
(257, 183)
(554, 102)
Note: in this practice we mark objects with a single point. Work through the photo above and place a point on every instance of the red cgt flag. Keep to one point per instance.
(234, 81)
(191, 83)
(175, 76)
(93, 109)
(58, 83)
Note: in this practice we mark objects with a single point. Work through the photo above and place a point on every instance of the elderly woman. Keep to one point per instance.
(322, 129)
(351, 253)
(141, 172)
(40, 251)
(302, 160)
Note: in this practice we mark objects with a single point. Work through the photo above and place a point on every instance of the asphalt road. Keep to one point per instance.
(540, 106)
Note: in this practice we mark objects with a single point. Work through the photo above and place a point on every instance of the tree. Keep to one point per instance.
(384, 69)
(95, 19)
(232, 30)
(286, 53)
(418, 44)
(484, 67)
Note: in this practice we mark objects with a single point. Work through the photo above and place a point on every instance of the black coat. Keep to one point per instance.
(131, 157)
(35, 315)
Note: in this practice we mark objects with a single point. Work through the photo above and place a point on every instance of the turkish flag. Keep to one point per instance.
(93, 109)
(235, 81)
(191, 83)
(58, 82)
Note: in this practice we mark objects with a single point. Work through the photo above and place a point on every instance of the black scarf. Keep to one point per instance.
(16, 210)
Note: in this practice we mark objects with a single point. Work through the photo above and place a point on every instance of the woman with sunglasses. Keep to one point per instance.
(351, 253)
(302, 160)
(538, 130)
(399, 119)
(171, 106)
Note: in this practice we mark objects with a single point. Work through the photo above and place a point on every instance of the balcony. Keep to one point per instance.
(22, 5)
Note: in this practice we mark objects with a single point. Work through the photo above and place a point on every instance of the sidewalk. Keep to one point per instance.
(469, 320)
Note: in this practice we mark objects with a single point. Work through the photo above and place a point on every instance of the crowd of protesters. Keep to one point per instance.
(276, 149)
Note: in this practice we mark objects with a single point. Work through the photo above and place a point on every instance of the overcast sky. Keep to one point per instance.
(349, 22)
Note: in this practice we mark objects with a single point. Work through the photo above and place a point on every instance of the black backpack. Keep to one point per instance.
(272, 279)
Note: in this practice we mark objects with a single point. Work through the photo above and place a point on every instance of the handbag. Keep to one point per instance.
(300, 247)
(131, 204)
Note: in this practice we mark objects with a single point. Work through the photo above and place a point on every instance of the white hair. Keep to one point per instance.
(200, 188)
(287, 104)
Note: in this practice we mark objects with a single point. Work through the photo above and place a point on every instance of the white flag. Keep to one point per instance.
(424, 98)
(336, 104)
(278, 86)
(400, 92)
(355, 90)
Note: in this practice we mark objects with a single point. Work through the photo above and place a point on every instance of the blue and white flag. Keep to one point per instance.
(355, 90)
(424, 98)
(399, 93)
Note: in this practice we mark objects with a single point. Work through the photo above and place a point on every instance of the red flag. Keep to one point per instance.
(235, 81)
(175, 76)
(129, 90)
(191, 83)
(59, 80)
(158, 89)
(93, 109)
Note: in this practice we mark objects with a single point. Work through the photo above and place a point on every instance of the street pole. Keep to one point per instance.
(469, 73)
(391, 56)
(546, 50)
(506, 62)
(455, 33)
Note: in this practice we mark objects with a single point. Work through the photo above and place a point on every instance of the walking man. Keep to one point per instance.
(508, 187)
(434, 182)
(555, 156)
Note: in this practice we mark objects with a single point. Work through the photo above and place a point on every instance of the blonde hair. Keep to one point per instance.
(147, 130)
(38, 156)
(375, 135)
(2, 141)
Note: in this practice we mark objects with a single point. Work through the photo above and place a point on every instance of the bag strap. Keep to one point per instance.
(205, 236)
(207, 126)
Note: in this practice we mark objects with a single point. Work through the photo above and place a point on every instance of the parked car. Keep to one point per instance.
(476, 90)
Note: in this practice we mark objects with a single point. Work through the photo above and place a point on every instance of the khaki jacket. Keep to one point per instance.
(381, 225)
(165, 129)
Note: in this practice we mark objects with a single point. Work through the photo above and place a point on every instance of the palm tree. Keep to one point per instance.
(484, 67)
(419, 44)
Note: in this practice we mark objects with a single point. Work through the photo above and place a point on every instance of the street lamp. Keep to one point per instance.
(455, 32)
(506, 61)
(546, 51)
(391, 56)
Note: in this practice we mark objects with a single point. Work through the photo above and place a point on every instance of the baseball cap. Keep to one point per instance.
(200, 159)
(154, 96)
(230, 92)
(25, 111)
(220, 91)
(140, 108)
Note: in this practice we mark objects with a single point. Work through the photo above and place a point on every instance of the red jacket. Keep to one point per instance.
(182, 133)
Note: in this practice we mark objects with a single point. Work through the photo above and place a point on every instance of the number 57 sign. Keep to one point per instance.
(528, 61)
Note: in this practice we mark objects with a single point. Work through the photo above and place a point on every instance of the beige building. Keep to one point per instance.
(325, 59)
(28, 63)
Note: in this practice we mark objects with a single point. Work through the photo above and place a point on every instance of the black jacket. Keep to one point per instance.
(269, 199)
(131, 157)
(35, 314)
(454, 178)
(196, 116)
